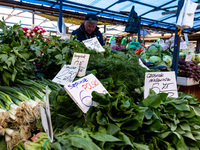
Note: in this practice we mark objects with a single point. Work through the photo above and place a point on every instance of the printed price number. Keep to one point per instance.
(164, 88)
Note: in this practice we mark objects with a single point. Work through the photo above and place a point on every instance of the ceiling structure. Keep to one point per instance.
(155, 14)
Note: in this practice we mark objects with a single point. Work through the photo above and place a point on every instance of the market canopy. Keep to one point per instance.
(154, 13)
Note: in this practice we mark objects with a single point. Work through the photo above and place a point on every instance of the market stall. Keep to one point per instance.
(58, 93)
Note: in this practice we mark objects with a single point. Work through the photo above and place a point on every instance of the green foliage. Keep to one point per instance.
(154, 50)
(122, 70)
(14, 54)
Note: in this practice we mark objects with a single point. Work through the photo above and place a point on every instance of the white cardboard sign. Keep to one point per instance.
(66, 74)
(161, 82)
(81, 60)
(81, 91)
(46, 117)
(93, 43)
(188, 57)
(183, 45)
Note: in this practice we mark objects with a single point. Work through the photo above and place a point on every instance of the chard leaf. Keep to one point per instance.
(196, 110)
(193, 148)
(155, 126)
(189, 135)
(131, 124)
(125, 139)
(65, 50)
(112, 129)
(6, 77)
(59, 57)
(148, 114)
(196, 127)
(38, 53)
(11, 60)
(154, 100)
(165, 134)
(101, 118)
(180, 131)
(182, 107)
(18, 54)
(14, 74)
(103, 137)
(173, 127)
(179, 142)
(51, 50)
(140, 146)
(185, 126)
(196, 134)
(3, 57)
(56, 146)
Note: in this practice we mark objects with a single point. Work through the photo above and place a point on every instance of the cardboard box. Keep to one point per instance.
(186, 81)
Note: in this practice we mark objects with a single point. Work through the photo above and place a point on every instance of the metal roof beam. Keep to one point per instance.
(119, 1)
(157, 8)
(94, 9)
(94, 2)
(174, 11)
(168, 17)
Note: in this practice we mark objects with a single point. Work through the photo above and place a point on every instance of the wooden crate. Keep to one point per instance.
(195, 90)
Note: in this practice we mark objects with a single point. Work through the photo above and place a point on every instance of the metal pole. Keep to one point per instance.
(33, 18)
(60, 17)
(139, 28)
(198, 45)
(176, 41)
(104, 28)
(143, 35)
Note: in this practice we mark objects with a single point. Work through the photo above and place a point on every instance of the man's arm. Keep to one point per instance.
(74, 32)
(101, 41)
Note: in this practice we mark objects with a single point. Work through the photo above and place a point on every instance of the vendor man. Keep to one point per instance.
(89, 29)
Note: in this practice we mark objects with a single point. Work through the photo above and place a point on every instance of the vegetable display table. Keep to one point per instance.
(195, 90)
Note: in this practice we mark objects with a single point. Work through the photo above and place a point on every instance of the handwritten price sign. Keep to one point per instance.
(93, 43)
(66, 74)
(188, 57)
(81, 60)
(81, 91)
(161, 82)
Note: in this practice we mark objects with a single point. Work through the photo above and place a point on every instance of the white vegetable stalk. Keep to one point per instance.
(2, 131)
(25, 132)
(12, 138)
(4, 118)
(24, 116)
(12, 108)
(32, 108)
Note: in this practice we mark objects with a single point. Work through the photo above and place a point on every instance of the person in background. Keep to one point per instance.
(123, 42)
(89, 29)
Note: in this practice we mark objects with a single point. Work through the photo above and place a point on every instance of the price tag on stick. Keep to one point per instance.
(81, 91)
(66, 74)
(161, 82)
(46, 117)
(81, 60)
(188, 57)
